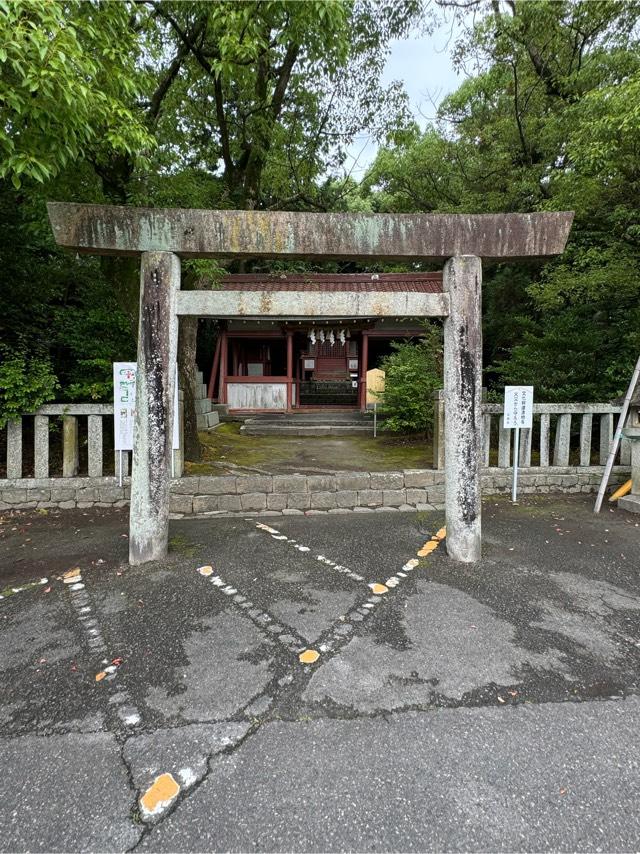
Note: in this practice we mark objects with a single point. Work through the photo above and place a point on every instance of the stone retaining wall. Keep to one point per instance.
(417, 489)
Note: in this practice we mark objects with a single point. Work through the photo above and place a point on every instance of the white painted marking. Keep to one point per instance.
(187, 777)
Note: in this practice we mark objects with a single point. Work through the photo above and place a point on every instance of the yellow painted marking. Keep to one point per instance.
(621, 491)
(159, 794)
(410, 564)
(100, 676)
(378, 589)
(441, 534)
(309, 656)
(205, 570)
(428, 548)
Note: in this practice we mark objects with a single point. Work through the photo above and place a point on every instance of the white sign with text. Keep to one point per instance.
(517, 415)
(124, 406)
(518, 406)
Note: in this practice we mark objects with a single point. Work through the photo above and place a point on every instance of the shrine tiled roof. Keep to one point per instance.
(429, 283)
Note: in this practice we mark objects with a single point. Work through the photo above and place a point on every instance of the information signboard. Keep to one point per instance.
(517, 415)
(518, 406)
(124, 407)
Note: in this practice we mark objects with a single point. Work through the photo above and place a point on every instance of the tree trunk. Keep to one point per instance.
(187, 338)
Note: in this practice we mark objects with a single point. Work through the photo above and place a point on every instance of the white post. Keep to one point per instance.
(462, 280)
(516, 457)
(153, 430)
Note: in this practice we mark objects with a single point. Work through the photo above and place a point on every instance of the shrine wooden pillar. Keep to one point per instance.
(224, 359)
(364, 361)
(289, 368)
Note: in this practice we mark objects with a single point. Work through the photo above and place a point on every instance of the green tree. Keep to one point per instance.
(549, 121)
(66, 81)
(412, 373)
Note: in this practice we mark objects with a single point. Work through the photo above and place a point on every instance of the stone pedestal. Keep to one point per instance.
(631, 502)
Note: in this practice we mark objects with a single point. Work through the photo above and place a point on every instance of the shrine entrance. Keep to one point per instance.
(161, 237)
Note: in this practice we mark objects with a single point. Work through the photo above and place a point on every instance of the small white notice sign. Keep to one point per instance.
(518, 406)
(517, 415)
(124, 404)
(124, 408)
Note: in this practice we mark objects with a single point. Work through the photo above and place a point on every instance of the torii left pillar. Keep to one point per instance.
(153, 429)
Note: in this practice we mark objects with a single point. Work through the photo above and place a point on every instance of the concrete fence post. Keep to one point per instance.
(438, 429)
(153, 430)
(462, 280)
(14, 447)
(70, 446)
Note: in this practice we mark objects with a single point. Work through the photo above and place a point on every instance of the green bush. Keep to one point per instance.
(26, 382)
(412, 373)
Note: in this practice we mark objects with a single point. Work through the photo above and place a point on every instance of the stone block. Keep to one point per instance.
(298, 501)
(89, 493)
(352, 480)
(284, 483)
(111, 493)
(187, 485)
(205, 503)
(416, 496)
(68, 505)
(419, 478)
(347, 498)
(369, 497)
(254, 484)
(425, 508)
(216, 485)
(276, 501)
(14, 496)
(38, 494)
(393, 497)
(291, 512)
(60, 493)
(229, 503)
(323, 500)
(435, 496)
(253, 501)
(321, 483)
(387, 480)
(181, 503)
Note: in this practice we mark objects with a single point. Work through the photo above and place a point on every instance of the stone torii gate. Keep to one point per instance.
(161, 237)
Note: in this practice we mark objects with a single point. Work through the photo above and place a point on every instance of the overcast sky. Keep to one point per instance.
(423, 64)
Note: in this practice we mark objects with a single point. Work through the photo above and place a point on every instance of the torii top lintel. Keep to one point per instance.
(117, 230)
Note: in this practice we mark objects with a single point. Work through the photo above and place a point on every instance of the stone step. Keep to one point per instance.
(222, 408)
(201, 390)
(208, 420)
(199, 378)
(203, 406)
(252, 429)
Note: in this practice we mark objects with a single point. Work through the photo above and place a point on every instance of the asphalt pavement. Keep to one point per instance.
(323, 683)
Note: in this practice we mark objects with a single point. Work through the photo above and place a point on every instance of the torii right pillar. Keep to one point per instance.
(462, 280)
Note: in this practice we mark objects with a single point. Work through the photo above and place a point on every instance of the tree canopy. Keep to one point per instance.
(254, 105)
